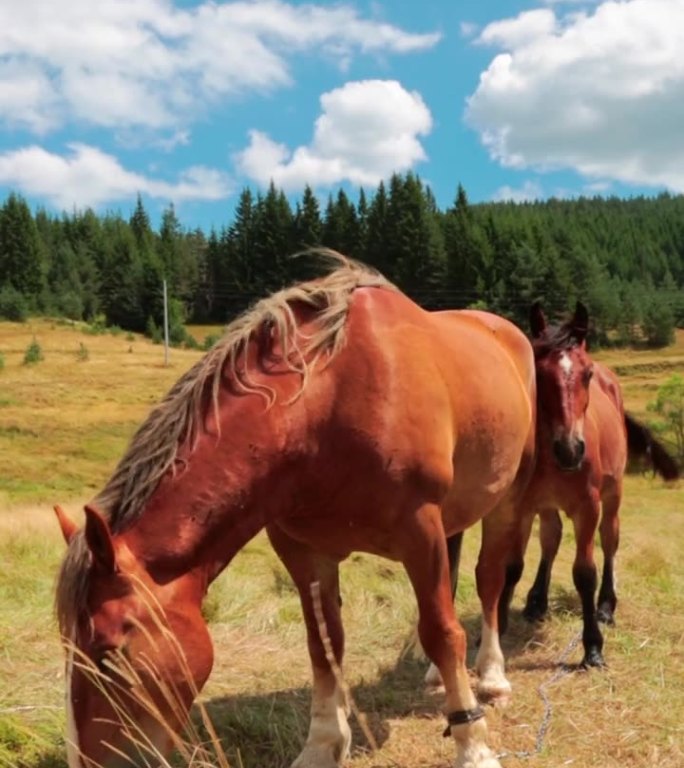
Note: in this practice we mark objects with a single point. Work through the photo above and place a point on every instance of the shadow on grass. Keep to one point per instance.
(53, 759)
(270, 728)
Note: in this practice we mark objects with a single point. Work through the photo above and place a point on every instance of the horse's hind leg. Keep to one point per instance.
(585, 520)
(610, 538)
(329, 738)
(500, 564)
(424, 554)
(550, 534)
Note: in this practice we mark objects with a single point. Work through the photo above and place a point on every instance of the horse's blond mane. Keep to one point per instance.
(177, 419)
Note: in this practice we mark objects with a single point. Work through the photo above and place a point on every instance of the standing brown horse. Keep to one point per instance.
(584, 437)
(340, 416)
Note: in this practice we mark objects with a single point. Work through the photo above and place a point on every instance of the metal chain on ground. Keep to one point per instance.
(562, 671)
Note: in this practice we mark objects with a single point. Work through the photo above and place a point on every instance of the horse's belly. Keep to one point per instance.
(482, 480)
(338, 537)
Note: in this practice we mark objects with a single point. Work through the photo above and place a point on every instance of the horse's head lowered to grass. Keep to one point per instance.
(138, 649)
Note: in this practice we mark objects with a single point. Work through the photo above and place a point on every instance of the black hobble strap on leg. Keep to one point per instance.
(463, 717)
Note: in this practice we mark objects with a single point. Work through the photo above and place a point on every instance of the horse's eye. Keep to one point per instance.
(588, 373)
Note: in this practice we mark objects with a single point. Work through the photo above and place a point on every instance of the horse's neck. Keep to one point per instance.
(202, 533)
(226, 493)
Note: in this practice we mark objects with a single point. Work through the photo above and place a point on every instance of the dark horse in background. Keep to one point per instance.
(341, 417)
(583, 439)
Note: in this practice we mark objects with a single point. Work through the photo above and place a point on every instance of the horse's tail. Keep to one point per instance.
(642, 442)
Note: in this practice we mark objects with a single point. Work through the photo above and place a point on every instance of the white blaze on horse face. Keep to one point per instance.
(72, 746)
(565, 363)
(577, 430)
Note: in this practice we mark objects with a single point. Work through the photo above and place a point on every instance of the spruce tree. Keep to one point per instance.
(307, 221)
(21, 262)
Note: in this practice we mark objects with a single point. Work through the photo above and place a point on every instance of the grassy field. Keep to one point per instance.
(65, 421)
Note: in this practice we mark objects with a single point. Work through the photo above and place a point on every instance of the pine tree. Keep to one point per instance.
(21, 261)
(140, 224)
(272, 243)
(169, 248)
(307, 221)
(341, 227)
(415, 240)
(376, 248)
(121, 284)
(465, 262)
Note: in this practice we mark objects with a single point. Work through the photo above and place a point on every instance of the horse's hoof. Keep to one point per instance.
(479, 757)
(535, 611)
(316, 757)
(494, 690)
(605, 616)
(593, 658)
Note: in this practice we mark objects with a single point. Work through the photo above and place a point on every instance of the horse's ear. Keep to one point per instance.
(66, 524)
(537, 320)
(99, 540)
(579, 325)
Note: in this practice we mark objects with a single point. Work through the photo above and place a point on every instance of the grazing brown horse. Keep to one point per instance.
(340, 416)
(583, 439)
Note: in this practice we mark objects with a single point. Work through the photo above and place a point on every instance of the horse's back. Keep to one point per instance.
(511, 338)
(607, 419)
(422, 407)
(609, 384)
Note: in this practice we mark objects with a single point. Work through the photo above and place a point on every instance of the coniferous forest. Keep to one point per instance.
(623, 258)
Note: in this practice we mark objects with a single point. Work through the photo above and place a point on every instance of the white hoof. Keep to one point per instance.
(477, 756)
(484, 762)
(493, 686)
(471, 746)
(318, 757)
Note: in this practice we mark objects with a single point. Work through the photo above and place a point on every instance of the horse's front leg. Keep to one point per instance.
(424, 554)
(610, 538)
(433, 679)
(550, 535)
(329, 738)
(585, 520)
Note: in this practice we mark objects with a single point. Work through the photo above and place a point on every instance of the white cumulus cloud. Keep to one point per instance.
(518, 32)
(155, 65)
(528, 192)
(366, 131)
(600, 91)
(89, 177)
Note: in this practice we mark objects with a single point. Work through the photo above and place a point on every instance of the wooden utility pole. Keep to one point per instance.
(166, 326)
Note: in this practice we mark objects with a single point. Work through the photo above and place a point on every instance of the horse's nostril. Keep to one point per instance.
(560, 451)
(568, 454)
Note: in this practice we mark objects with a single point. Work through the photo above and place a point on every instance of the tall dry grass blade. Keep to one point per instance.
(122, 685)
(337, 672)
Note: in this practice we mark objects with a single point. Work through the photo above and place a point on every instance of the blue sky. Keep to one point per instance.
(190, 101)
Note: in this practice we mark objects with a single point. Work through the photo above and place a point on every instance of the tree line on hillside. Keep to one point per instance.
(623, 258)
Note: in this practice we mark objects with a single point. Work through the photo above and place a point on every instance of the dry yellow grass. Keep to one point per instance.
(64, 423)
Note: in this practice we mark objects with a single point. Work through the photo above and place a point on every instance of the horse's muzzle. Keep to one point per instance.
(569, 454)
